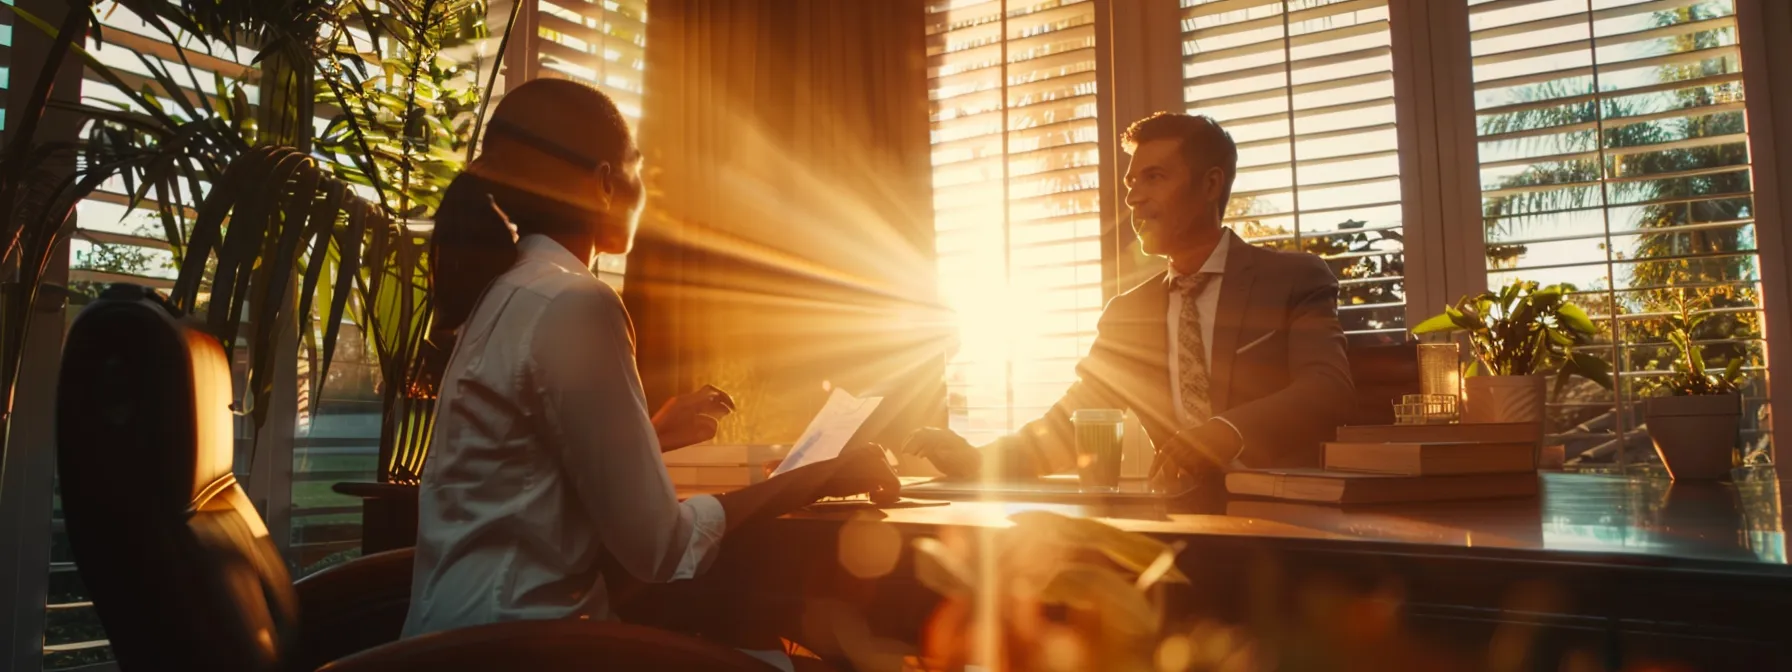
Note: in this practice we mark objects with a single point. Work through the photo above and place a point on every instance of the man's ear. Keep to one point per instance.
(606, 180)
(1214, 181)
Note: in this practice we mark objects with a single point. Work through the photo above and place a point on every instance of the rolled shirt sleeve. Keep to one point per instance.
(594, 414)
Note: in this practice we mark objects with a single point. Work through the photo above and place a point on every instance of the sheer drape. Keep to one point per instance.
(789, 237)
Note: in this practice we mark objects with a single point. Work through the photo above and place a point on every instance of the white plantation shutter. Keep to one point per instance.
(1016, 208)
(1614, 157)
(602, 43)
(1306, 89)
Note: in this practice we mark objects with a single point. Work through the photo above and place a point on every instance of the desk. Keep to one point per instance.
(1620, 569)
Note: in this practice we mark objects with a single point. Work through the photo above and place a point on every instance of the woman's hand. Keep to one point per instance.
(863, 469)
(690, 419)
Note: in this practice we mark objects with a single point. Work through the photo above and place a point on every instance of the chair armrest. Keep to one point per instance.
(550, 646)
(352, 607)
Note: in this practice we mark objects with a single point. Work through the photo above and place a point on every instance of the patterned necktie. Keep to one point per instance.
(1191, 355)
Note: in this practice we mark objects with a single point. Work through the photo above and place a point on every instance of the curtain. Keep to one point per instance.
(788, 243)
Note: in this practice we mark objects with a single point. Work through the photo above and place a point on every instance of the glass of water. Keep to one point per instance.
(1098, 435)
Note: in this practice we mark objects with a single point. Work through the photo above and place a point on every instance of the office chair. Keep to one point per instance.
(178, 562)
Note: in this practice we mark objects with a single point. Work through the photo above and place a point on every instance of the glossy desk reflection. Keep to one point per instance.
(1576, 515)
(1637, 567)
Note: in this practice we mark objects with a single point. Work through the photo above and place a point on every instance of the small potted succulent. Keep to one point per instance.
(1520, 335)
(1694, 413)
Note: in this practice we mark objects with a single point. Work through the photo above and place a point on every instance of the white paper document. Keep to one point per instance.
(828, 433)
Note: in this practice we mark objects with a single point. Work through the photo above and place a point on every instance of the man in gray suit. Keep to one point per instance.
(1232, 357)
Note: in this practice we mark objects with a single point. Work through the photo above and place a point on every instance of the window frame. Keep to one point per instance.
(1457, 141)
(1764, 61)
(30, 459)
(1138, 72)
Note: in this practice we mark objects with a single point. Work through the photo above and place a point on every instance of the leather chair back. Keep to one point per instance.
(178, 562)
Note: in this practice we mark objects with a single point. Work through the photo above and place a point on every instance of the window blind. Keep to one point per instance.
(1614, 157)
(604, 44)
(1016, 209)
(1306, 89)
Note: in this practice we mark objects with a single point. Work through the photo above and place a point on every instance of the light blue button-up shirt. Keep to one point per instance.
(544, 457)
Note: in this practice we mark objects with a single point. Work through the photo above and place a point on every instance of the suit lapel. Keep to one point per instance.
(1153, 333)
(1228, 325)
(1143, 341)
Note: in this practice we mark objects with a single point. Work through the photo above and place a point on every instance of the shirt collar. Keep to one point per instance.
(1215, 264)
(537, 247)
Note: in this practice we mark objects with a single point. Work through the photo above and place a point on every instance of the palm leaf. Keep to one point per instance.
(271, 303)
(320, 229)
(243, 240)
(272, 223)
(208, 226)
(348, 247)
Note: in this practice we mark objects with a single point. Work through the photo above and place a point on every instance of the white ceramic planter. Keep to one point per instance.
(1696, 435)
(1504, 399)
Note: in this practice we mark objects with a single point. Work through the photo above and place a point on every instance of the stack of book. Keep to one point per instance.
(1374, 464)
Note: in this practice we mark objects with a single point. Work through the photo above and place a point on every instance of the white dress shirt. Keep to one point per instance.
(1207, 305)
(544, 458)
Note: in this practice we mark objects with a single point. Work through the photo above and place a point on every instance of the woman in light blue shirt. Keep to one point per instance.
(545, 462)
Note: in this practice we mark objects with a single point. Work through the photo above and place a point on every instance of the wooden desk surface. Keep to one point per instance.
(1735, 527)
(1637, 568)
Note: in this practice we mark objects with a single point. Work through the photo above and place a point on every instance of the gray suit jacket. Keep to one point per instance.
(1279, 369)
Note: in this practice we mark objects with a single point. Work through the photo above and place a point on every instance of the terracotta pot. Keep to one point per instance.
(1696, 435)
(1504, 399)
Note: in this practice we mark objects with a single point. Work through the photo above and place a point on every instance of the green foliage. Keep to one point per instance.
(1522, 330)
(409, 100)
(122, 259)
(407, 109)
(40, 184)
(1692, 374)
(249, 228)
(287, 221)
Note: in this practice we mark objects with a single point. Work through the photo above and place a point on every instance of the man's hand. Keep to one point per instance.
(949, 452)
(1194, 457)
(690, 419)
(862, 469)
(1168, 477)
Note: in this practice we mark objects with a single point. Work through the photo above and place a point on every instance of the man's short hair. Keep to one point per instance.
(1204, 144)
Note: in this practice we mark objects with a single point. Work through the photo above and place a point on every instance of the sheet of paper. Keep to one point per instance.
(828, 433)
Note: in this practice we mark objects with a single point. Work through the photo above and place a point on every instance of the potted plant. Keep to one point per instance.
(1694, 413)
(1520, 335)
